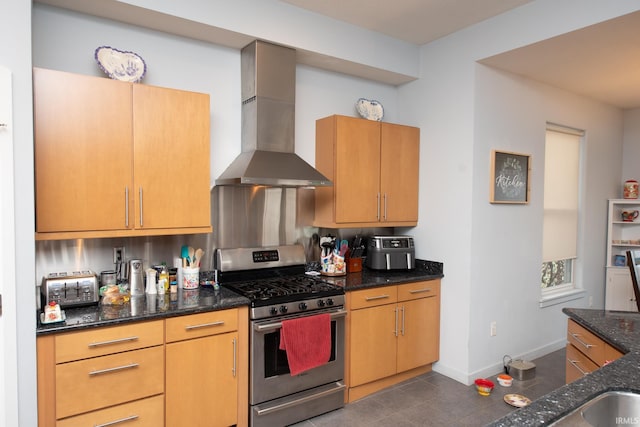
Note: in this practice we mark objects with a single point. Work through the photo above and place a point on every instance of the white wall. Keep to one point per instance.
(492, 253)
(631, 152)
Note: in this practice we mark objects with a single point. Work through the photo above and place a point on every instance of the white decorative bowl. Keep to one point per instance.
(120, 65)
(370, 109)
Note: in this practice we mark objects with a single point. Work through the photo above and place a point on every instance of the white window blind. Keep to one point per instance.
(561, 174)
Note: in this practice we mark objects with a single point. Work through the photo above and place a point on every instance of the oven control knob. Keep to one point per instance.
(329, 301)
(302, 306)
(320, 303)
(273, 311)
(283, 309)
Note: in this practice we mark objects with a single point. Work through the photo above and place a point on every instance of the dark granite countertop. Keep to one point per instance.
(145, 307)
(205, 298)
(367, 278)
(619, 329)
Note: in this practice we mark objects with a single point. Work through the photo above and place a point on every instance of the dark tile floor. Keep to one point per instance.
(435, 400)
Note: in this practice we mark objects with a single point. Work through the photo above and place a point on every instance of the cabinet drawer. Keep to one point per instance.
(147, 412)
(372, 297)
(200, 325)
(102, 341)
(587, 342)
(417, 290)
(99, 382)
(578, 365)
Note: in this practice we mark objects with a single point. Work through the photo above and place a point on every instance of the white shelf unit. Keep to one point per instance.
(621, 237)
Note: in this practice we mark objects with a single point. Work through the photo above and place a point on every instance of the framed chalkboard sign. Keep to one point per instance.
(509, 177)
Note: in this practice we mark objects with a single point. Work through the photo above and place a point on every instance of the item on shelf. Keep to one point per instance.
(370, 109)
(120, 65)
(629, 216)
(631, 189)
(620, 261)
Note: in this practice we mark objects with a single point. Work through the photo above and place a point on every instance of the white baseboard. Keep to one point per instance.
(498, 367)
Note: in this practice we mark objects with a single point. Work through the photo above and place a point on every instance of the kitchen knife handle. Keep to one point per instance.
(116, 369)
(126, 207)
(141, 225)
(114, 422)
(235, 355)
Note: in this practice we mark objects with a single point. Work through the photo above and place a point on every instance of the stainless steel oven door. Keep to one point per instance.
(270, 377)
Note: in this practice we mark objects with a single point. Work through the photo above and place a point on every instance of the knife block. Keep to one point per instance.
(354, 265)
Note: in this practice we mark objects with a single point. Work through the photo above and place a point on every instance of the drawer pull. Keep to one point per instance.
(586, 345)
(204, 325)
(376, 297)
(419, 291)
(575, 365)
(235, 356)
(121, 420)
(116, 341)
(117, 368)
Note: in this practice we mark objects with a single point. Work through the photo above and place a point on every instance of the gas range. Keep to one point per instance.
(274, 280)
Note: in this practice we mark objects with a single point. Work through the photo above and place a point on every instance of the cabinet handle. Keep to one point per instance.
(575, 365)
(402, 327)
(376, 297)
(378, 203)
(121, 420)
(204, 325)
(116, 369)
(385, 206)
(419, 291)
(141, 224)
(126, 207)
(586, 345)
(116, 341)
(235, 354)
(395, 332)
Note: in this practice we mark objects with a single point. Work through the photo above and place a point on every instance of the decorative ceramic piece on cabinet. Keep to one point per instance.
(370, 109)
(121, 65)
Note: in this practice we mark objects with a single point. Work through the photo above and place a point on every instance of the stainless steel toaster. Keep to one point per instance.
(70, 289)
(391, 253)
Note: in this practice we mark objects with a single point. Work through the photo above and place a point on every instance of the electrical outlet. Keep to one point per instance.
(118, 255)
(493, 328)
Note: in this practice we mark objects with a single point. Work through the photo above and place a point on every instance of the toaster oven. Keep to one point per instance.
(70, 289)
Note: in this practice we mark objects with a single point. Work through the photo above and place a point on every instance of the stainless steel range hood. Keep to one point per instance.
(268, 118)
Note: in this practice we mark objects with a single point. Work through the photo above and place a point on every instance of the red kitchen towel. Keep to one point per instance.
(307, 341)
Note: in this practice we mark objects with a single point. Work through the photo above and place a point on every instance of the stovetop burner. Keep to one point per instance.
(273, 279)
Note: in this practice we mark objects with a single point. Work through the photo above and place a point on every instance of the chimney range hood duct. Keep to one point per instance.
(268, 116)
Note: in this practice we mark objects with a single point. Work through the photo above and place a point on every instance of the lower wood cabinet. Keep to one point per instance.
(206, 370)
(586, 352)
(392, 335)
(188, 370)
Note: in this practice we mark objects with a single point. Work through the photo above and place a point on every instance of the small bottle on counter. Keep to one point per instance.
(173, 280)
(164, 277)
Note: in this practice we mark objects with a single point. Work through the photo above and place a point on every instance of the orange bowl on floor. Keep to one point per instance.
(505, 380)
(484, 386)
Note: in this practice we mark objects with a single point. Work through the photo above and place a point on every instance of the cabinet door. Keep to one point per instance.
(83, 152)
(357, 164)
(171, 152)
(619, 290)
(400, 161)
(373, 343)
(418, 342)
(201, 388)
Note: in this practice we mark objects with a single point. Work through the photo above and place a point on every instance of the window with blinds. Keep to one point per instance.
(561, 190)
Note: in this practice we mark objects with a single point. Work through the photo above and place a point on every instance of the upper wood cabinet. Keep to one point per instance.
(374, 168)
(118, 159)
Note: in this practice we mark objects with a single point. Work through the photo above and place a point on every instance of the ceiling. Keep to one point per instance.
(601, 62)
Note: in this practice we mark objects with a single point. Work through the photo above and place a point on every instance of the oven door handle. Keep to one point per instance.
(277, 325)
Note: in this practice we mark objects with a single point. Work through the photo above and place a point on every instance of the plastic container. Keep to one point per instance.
(505, 380)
